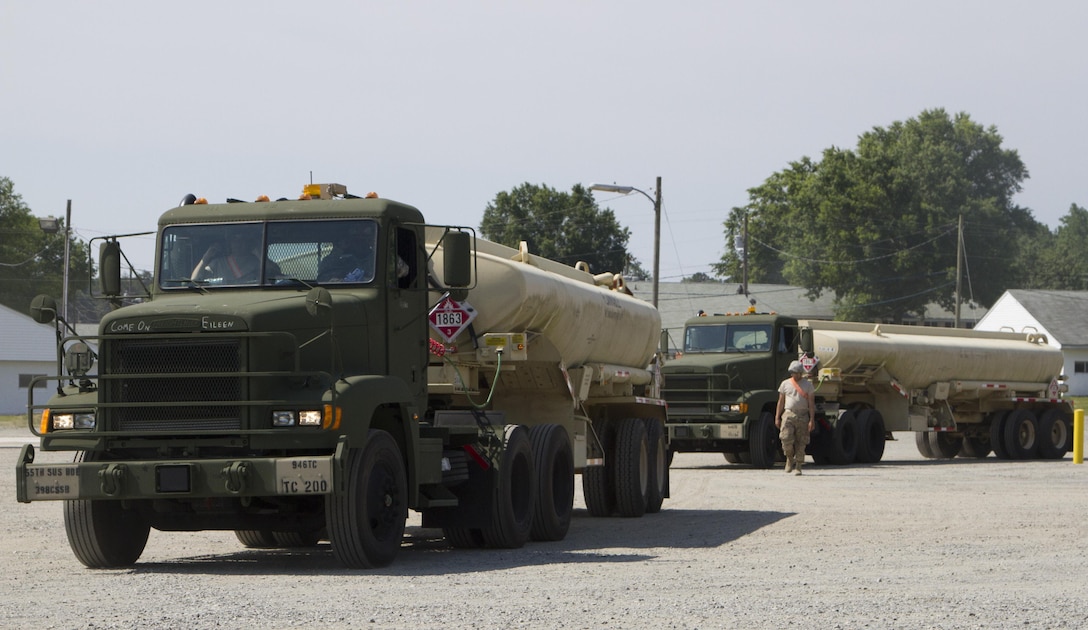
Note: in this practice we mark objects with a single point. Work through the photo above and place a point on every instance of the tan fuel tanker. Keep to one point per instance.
(546, 343)
(963, 391)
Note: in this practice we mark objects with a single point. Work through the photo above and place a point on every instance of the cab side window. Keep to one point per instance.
(406, 263)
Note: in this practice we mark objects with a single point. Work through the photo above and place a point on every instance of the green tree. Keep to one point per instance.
(876, 225)
(1055, 260)
(566, 227)
(32, 261)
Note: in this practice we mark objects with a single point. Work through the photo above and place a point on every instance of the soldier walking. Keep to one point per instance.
(795, 416)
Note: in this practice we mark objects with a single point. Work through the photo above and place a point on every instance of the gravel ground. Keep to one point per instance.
(907, 543)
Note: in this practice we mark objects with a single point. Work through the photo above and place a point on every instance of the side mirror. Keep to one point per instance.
(43, 309)
(109, 268)
(317, 298)
(457, 259)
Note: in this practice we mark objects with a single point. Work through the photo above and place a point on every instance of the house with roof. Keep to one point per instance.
(1060, 315)
(27, 349)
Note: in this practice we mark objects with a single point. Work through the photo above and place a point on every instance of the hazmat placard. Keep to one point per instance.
(449, 317)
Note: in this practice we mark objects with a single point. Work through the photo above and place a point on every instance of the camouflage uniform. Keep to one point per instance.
(795, 437)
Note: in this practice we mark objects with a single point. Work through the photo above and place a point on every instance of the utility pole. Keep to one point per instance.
(959, 271)
(745, 258)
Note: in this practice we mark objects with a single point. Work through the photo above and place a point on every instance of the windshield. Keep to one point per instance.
(728, 338)
(281, 252)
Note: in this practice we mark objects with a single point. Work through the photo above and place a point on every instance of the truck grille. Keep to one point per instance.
(155, 393)
(682, 391)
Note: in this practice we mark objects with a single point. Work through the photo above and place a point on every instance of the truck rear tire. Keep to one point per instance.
(1021, 434)
(871, 436)
(659, 467)
(844, 440)
(515, 493)
(997, 434)
(102, 533)
(763, 443)
(598, 482)
(366, 520)
(1054, 432)
(555, 481)
(632, 468)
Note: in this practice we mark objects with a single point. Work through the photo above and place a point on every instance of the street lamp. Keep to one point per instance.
(51, 225)
(627, 190)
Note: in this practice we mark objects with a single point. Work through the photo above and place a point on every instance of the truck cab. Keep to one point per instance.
(722, 388)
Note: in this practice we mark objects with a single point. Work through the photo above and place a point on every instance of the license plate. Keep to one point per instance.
(304, 475)
(47, 482)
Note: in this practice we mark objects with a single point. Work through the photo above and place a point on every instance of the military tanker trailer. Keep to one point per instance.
(962, 392)
(346, 363)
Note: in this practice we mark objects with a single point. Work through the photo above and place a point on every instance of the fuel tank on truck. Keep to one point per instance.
(917, 356)
(585, 318)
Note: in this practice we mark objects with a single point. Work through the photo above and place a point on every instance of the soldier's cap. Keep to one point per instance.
(795, 368)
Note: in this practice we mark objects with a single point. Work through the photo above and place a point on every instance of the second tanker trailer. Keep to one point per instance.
(962, 392)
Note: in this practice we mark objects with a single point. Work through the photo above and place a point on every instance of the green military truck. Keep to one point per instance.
(311, 369)
(962, 392)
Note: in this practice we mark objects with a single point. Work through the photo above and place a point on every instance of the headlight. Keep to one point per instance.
(309, 418)
(291, 418)
(65, 421)
(735, 408)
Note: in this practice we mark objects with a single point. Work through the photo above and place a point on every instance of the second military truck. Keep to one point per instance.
(962, 392)
(312, 369)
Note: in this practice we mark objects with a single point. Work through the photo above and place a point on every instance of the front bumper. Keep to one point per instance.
(176, 479)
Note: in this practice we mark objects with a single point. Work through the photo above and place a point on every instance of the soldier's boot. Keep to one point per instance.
(789, 465)
(797, 468)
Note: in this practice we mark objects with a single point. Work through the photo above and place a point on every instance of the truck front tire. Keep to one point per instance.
(366, 520)
(103, 534)
(763, 444)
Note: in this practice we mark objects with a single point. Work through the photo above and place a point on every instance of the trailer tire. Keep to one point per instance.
(366, 521)
(659, 468)
(975, 447)
(844, 440)
(1054, 433)
(102, 533)
(872, 436)
(515, 493)
(554, 481)
(598, 482)
(943, 445)
(296, 540)
(732, 458)
(256, 538)
(1021, 434)
(763, 442)
(921, 440)
(997, 434)
(632, 468)
(463, 537)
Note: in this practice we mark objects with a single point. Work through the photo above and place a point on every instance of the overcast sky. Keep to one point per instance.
(124, 107)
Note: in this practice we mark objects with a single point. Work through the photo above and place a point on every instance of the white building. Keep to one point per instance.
(1060, 315)
(27, 349)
